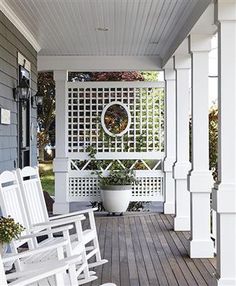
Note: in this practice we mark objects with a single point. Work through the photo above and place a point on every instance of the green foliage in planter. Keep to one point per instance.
(116, 177)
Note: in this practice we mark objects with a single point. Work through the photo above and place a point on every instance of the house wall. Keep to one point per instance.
(12, 42)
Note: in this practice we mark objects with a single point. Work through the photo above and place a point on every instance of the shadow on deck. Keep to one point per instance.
(143, 250)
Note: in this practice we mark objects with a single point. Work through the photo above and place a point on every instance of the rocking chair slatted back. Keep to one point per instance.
(32, 195)
(11, 201)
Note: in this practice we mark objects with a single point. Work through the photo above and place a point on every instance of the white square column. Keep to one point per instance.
(181, 167)
(224, 196)
(61, 162)
(200, 179)
(170, 138)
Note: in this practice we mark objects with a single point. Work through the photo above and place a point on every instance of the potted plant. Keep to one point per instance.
(9, 230)
(116, 189)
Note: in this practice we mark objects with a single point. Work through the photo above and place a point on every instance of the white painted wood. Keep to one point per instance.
(61, 204)
(15, 205)
(83, 186)
(177, 35)
(121, 155)
(117, 84)
(134, 28)
(143, 142)
(182, 165)
(224, 195)
(49, 273)
(20, 24)
(99, 63)
(23, 61)
(200, 179)
(32, 194)
(170, 139)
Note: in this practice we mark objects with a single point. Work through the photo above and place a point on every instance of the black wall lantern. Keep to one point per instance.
(22, 91)
(36, 100)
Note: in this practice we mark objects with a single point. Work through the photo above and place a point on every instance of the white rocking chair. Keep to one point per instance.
(11, 203)
(32, 195)
(52, 272)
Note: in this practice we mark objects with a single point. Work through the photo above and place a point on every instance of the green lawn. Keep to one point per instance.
(47, 177)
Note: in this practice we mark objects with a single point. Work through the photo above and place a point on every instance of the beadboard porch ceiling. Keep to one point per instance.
(107, 27)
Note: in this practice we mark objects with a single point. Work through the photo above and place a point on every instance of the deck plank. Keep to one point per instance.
(160, 274)
(205, 266)
(184, 251)
(164, 262)
(124, 267)
(115, 267)
(143, 250)
(106, 273)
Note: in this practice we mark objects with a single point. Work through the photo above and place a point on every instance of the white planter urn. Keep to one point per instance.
(116, 198)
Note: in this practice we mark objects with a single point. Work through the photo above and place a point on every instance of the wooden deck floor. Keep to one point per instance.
(143, 250)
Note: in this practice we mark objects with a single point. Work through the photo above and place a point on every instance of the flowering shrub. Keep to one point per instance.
(9, 229)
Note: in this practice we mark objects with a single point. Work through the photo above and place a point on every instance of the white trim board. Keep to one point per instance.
(15, 20)
(99, 63)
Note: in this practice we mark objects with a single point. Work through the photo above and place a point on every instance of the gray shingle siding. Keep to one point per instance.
(11, 42)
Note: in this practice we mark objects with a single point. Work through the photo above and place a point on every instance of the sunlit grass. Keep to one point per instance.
(47, 177)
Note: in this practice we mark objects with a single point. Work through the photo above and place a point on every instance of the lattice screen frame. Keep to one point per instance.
(83, 184)
(145, 102)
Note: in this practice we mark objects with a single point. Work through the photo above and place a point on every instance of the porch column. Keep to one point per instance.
(200, 178)
(170, 139)
(182, 164)
(224, 196)
(61, 162)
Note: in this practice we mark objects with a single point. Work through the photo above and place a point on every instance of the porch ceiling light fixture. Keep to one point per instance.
(22, 91)
(102, 29)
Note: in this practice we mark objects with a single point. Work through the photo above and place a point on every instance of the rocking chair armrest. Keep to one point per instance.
(34, 234)
(40, 274)
(13, 256)
(32, 270)
(59, 222)
(72, 214)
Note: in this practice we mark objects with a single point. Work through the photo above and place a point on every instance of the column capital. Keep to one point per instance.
(199, 43)
(200, 181)
(169, 74)
(60, 75)
(181, 169)
(61, 165)
(168, 164)
(224, 198)
(169, 64)
(182, 62)
(225, 11)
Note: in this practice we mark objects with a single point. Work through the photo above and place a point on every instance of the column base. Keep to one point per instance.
(61, 208)
(182, 224)
(201, 249)
(169, 208)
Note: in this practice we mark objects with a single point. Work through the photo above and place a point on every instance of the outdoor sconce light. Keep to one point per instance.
(22, 92)
(36, 100)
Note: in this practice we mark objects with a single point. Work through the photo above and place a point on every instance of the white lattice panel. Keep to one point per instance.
(148, 189)
(83, 186)
(146, 106)
(140, 149)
